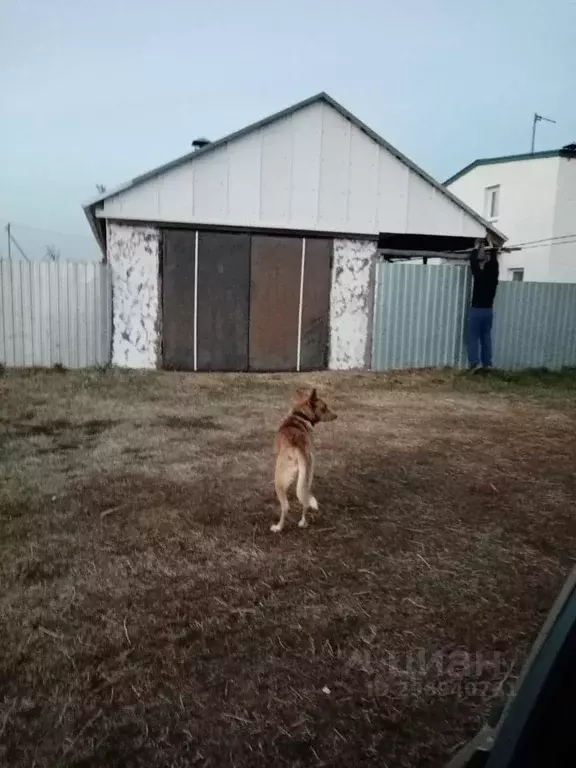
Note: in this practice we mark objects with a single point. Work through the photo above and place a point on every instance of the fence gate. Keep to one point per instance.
(419, 316)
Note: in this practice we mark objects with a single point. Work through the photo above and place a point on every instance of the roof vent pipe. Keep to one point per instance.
(200, 143)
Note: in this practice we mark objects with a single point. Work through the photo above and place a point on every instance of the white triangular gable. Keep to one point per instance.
(312, 169)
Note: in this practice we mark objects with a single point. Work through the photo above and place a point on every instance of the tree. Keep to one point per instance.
(52, 253)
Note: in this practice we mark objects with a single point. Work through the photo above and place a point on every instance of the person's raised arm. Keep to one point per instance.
(474, 265)
(492, 266)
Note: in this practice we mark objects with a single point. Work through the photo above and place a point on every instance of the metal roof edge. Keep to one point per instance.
(403, 159)
(319, 97)
(506, 159)
(209, 147)
(94, 226)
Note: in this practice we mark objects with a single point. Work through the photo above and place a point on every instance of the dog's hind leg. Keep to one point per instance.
(305, 474)
(311, 498)
(283, 476)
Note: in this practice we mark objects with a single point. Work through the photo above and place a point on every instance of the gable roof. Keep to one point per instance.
(318, 98)
(564, 152)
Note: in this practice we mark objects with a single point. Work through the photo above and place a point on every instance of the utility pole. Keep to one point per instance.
(537, 118)
(12, 239)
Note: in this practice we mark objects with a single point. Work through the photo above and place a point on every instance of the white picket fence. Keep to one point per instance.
(54, 313)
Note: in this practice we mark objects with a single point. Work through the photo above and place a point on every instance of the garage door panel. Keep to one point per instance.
(223, 301)
(316, 305)
(274, 302)
(178, 278)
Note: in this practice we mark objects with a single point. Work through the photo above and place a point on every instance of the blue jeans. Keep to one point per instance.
(479, 335)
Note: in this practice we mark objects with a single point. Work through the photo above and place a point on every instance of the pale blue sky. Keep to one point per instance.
(99, 91)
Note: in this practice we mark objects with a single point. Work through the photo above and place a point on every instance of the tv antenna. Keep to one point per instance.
(537, 119)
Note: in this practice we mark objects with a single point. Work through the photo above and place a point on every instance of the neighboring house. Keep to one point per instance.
(257, 251)
(532, 198)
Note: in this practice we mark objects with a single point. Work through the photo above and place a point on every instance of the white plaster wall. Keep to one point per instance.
(563, 252)
(527, 209)
(351, 304)
(133, 254)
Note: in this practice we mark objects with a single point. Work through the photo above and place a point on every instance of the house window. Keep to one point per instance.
(492, 202)
(517, 275)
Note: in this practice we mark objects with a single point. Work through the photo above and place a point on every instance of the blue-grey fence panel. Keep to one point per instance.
(420, 317)
(535, 325)
(54, 313)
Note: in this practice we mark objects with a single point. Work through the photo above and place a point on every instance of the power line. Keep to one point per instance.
(44, 231)
(544, 240)
(539, 245)
(12, 240)
(17, 244)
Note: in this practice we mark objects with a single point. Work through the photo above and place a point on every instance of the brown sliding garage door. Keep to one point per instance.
(223, 301)
(178, 281)
(262, 302)
(274, 302)
(314, 337)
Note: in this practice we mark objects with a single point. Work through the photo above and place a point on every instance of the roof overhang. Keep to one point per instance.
(434, 243)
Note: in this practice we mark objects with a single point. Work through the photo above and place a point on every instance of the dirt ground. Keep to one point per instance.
(148, 616)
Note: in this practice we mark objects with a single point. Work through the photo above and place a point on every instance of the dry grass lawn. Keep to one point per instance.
(148, 617)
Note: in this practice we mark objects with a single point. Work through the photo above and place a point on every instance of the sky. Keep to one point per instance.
(98, 92)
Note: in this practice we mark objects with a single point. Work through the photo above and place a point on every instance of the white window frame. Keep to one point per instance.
(492, 202)
(517, 271)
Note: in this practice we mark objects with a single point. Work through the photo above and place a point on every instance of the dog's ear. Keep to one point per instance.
(313, 396)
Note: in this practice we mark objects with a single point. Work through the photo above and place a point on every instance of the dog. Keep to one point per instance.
(294, 453)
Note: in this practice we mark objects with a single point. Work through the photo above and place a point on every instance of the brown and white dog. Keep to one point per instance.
(295, 453)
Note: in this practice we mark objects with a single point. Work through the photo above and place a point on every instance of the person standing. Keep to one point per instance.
(479, 338)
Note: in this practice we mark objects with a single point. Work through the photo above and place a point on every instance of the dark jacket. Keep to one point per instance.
(485, 280)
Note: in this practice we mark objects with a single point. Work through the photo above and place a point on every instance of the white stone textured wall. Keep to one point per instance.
(133, 254)
(351, 304)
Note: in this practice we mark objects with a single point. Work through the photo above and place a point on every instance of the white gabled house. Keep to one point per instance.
(532, 198)
(257, 251)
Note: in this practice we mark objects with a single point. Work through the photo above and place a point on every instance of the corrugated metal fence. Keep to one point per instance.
(420, 316)
(54, 313)
(535, 325)
(60, 312)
